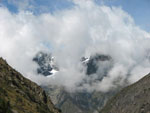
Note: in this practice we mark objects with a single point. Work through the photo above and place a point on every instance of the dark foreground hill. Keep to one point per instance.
(132, 99)
(20, 95)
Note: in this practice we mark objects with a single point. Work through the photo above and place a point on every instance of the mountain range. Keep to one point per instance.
(20, 95)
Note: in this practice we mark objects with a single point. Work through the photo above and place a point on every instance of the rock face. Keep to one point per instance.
(20, 95)
(78, 102)
(132, 99)
(92, 64)
(46, 63)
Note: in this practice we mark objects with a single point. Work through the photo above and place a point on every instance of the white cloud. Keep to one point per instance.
(85, 29)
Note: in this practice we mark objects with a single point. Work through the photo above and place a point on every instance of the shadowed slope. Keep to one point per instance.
(20, 95)
(132, 99)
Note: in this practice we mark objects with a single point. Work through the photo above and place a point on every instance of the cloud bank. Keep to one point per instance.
(83, 30)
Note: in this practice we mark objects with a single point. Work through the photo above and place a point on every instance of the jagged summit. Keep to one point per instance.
(94, 62)
(46, 63)
(48, 66)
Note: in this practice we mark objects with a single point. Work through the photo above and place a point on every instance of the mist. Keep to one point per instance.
(83, 30)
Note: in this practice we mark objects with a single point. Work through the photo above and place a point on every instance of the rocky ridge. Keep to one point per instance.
(20, 95)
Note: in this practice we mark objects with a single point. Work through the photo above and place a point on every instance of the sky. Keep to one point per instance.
(73, 29)
(138, 9)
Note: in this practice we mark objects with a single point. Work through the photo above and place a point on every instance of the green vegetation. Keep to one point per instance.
(4, 106)
(20, 95)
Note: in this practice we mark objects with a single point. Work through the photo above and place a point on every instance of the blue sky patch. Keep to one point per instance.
(138, 9)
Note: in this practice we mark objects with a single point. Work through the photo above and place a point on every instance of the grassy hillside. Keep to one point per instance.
(20, 95)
